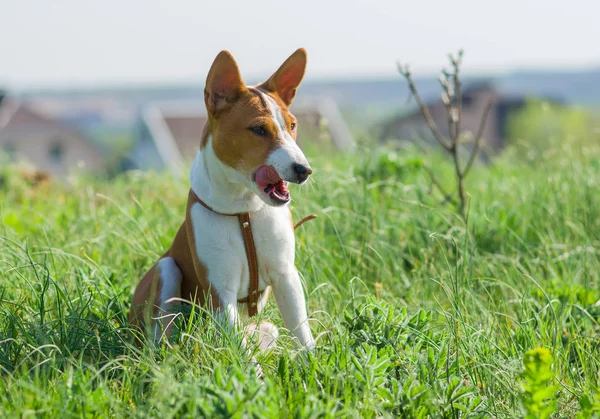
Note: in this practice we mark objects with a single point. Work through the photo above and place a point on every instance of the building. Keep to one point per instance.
(43, 142)
(167, 134)
(413, 127)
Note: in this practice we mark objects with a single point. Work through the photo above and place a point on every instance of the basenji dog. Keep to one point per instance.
(236, 244)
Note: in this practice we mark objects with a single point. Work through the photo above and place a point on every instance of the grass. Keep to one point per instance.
(417, 313)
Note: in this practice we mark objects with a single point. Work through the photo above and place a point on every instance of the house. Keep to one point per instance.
(167, 134)
(413, 127)
(43, 142)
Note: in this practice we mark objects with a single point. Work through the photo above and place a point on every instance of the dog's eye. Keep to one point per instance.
(259, 130)
(293, 126)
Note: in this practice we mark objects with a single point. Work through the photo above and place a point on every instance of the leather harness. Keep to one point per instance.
(246, 227)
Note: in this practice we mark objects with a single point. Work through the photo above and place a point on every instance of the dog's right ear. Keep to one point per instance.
(224, 84)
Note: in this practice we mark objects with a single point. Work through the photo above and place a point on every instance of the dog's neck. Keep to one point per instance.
(220, 186)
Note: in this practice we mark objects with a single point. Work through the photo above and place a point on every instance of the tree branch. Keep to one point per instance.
(447, 197)
(456, 62)
(447, 100)
(424, 110)
(475, 151)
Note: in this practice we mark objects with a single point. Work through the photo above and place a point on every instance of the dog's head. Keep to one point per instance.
(252, 129)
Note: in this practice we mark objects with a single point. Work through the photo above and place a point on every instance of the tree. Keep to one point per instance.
(452, 99)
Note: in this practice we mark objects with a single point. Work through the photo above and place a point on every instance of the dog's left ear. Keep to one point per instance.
(288, 77)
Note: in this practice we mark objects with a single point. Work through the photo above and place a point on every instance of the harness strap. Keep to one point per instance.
(305, 219)
(246, 228)
(244, 220)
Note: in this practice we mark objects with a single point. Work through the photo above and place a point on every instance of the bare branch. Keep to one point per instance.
(448, 100)
(458, 93)
(424, 110)
(475, 151)
(447, 197)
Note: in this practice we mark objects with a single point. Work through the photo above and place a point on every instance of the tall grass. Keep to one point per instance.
(418, 313)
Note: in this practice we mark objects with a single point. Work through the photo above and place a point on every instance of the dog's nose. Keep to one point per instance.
(302, 171)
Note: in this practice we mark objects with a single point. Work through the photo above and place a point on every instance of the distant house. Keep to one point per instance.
(46, 144)
(167, 134)
(413, 127)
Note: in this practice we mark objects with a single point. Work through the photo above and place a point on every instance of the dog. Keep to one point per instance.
(236, 244)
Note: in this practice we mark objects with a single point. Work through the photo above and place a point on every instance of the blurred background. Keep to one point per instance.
(106, 87)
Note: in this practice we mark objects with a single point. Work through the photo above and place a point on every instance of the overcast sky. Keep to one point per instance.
(107, 42)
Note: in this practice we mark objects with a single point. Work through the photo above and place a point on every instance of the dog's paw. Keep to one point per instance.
(311, 345)
(266, 333)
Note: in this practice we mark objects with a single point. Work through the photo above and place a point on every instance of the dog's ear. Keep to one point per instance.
(288, 77)
(224, 83)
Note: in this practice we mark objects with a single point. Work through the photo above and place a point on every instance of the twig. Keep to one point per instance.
(454, 118)
(460, 179)
(424, 110)
(447, 197)
(447, 100)
(456, 62)
(475, 151)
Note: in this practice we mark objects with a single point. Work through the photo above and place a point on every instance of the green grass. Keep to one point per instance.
(417, 313)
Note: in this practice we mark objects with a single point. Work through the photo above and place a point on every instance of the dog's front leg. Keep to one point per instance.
(289, 296)
(230, 318)
(227, 314)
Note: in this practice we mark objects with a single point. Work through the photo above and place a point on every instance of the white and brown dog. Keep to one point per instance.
(237, 240)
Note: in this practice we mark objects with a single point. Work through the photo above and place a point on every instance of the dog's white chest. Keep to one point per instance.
(220, 247)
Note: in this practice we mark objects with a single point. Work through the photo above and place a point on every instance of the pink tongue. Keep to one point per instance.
(266, 175)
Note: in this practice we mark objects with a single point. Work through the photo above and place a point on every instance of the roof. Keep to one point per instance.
(17, 113)
(167, 122)
(8, 108)
(469, 91)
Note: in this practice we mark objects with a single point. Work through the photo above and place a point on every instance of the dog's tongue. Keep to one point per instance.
(266, 175)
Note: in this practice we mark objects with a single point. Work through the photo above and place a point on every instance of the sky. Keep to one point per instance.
(66, 43)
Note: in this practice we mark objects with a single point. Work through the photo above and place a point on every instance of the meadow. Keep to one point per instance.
(418, 312)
